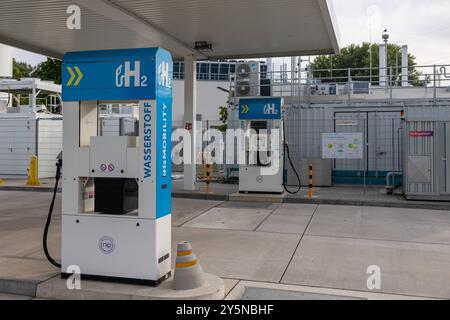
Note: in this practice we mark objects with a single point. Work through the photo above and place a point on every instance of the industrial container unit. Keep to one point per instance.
(380, 127)
(427, 153)
(25, 134)
(304, 128)
(382, 153)
(28, 129)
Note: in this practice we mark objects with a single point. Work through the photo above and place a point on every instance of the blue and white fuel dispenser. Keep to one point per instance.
(116, 191)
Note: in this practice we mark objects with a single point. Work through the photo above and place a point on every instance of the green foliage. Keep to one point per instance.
(21, 69)
(223, 116)
(223, 113)
(49, 70)
(358, 56)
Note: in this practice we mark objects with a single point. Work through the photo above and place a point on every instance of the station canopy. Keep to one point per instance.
(234, 28)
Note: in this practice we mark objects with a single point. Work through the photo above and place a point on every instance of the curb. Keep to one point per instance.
(19, 287)
(365, 203)
(221, 197)
(200, 196)
(29, 189)
(55, 288)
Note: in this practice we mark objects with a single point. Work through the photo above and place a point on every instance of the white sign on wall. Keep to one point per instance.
(342, 145)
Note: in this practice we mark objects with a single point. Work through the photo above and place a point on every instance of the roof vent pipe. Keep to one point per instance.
(405, 67)
(383, 65)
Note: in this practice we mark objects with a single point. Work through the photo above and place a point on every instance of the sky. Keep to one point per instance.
(423, 25)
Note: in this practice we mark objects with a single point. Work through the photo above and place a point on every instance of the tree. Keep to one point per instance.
(21, 69)
(49, 70)
(223, 114)
(358, 57)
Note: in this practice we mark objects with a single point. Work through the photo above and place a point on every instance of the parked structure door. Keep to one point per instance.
(444, 158)
(383, 146)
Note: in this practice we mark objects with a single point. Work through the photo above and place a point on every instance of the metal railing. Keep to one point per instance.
(428, 82)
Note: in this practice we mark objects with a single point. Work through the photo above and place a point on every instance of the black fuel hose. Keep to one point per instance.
(288, 154)
(49, 217)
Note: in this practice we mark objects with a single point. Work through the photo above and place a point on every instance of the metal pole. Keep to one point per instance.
(365, 155)
(434, 86)
(376, 140)
(365, 169)
(190, 113)
(399, 148)
(349, 75)
(299, 80)
(292, 77)
(33, 98)
(310, 74)
(310, 192)
(393, 147)
(331, 57)
(282, 77)
(396, 68)
(390, 85)
(370, 63)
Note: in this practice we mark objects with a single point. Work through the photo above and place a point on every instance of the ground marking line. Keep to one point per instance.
(298, 244)
(270, 214)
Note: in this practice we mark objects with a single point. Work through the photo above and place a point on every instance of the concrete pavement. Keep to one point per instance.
(374, 196)
(299, 247)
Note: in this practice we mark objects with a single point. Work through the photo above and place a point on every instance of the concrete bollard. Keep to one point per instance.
(188, 272)
(33, 179)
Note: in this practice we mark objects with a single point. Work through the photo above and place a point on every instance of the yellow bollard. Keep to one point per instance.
(33, 179)
(208, 178)
(310, 192)
(207, 167)
(1, 182)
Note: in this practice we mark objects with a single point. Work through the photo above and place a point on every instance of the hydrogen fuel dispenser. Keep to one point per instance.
(116, 191)
(261, 121)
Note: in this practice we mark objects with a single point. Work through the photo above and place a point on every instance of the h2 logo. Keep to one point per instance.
(163, 75)
(270, 109)
(123, 77)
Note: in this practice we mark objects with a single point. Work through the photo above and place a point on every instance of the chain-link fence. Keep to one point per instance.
(382, 145)
(304, 127)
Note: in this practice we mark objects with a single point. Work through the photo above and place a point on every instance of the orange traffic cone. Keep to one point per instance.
(188, 272)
